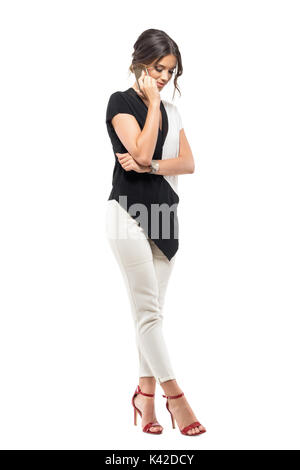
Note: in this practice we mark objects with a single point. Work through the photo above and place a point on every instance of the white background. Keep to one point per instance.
(68, 356)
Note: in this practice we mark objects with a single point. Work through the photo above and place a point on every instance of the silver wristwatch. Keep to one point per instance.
(154, 166)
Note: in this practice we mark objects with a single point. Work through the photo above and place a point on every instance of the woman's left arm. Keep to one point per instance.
(180, 165)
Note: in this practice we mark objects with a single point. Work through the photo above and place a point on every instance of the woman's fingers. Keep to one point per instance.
(141, 79)
(125, 160)
(121, 156)
(141, 83)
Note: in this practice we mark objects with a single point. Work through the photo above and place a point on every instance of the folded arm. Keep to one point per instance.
(139, 143)
(183, 164)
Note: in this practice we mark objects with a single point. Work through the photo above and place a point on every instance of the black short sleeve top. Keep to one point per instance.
(150, 199)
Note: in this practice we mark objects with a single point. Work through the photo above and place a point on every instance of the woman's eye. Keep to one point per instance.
(170, 71)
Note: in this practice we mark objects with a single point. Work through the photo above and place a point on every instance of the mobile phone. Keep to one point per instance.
(138, 68)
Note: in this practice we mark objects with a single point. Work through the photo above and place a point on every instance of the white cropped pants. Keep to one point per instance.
(146, 271)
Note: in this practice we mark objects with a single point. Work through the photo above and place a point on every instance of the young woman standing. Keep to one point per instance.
(150, 149)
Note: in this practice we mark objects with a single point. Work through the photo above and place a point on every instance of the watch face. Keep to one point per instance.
(154, 166)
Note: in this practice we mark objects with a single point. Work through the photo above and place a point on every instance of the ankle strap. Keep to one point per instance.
(138, 390)
(174, 396)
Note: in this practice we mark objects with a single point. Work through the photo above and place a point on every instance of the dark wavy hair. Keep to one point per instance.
(152, 45)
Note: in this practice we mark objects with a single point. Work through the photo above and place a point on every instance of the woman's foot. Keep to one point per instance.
(183, 414)
(146, 406)
(180, 408)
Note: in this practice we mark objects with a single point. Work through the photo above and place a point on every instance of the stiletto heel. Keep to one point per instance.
(186, 428)
(147, 427)
(135, 416)
(173, 421)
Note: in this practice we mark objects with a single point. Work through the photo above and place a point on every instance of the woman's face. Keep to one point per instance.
(162, 70)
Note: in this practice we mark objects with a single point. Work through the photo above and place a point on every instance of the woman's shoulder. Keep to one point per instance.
(173, 113)
(170, 106)
(116, 94)
(117, 103)
(118, 98)
(122, 92)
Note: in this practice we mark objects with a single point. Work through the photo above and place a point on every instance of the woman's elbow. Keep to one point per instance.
(141, 158)
(192, 168)
(189, 164)
(145, 161)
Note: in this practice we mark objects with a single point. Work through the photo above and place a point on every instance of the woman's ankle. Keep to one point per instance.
(147, 384)
(171, 387)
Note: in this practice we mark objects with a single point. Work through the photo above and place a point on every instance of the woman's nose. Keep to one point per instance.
(164, 76)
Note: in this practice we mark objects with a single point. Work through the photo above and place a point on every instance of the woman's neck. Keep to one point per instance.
(142, 98)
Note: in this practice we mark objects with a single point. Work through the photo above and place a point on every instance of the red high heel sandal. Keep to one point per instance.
(190, 426)
(147, 427)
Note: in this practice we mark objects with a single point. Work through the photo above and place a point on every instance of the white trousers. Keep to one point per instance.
(146, 271)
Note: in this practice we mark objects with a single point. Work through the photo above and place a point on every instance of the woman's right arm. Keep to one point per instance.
(141, 144)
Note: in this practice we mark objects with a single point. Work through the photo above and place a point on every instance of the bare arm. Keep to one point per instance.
(140, 144)
(180, 165)
(147, 139)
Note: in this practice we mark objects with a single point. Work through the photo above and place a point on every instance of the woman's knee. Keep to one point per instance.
(147, 321)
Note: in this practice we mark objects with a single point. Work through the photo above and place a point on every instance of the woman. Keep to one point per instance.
(150, 149)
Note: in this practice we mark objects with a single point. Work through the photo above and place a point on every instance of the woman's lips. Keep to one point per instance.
(160, 84)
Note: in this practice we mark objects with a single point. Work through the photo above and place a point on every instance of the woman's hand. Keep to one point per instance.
(149, 88)
(129, 163)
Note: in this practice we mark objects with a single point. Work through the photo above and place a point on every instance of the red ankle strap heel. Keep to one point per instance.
(147, 427)
(186, 428)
